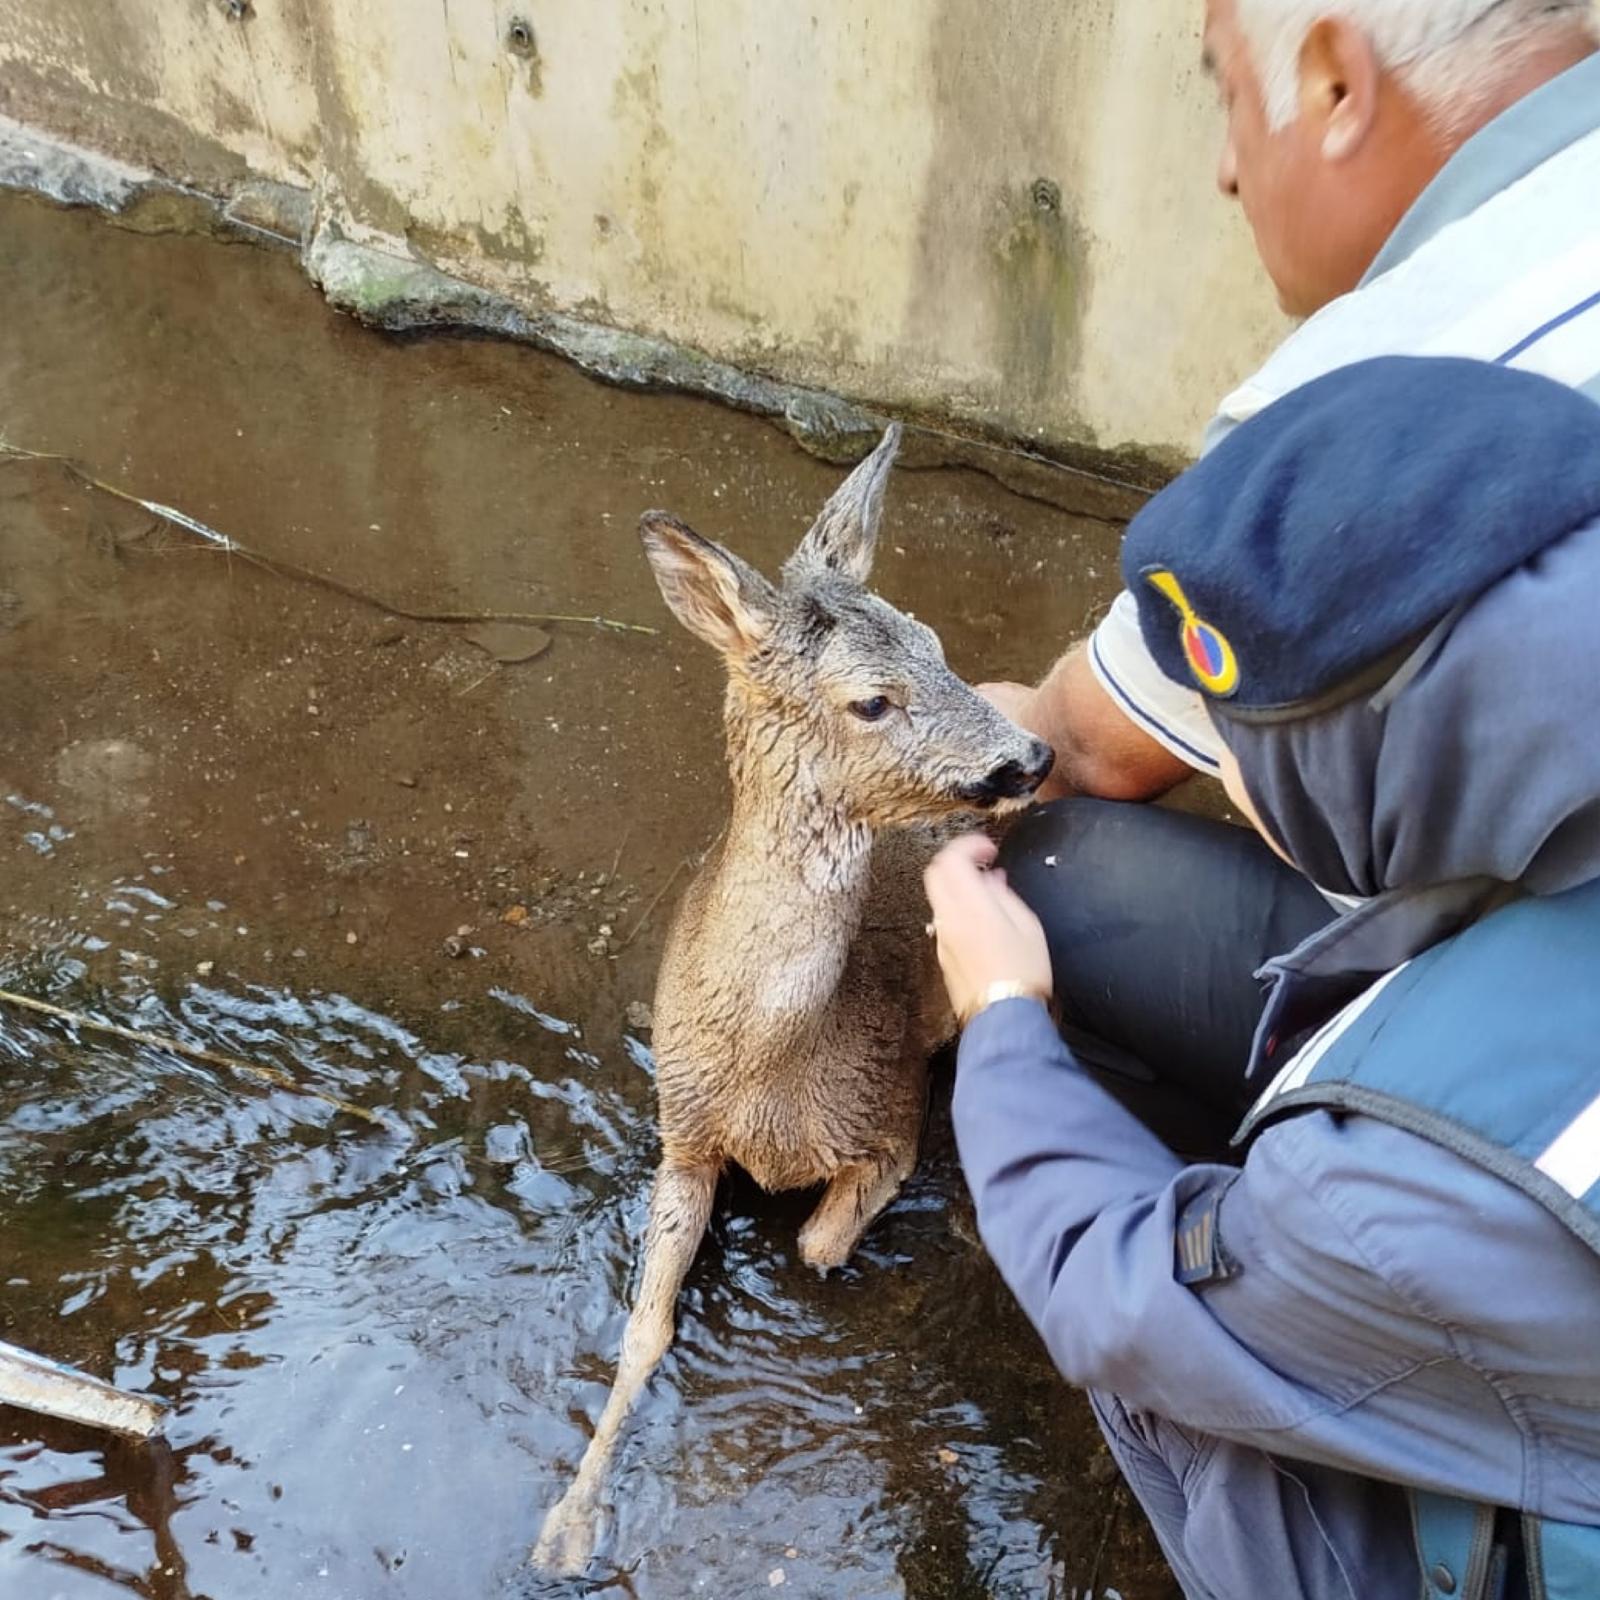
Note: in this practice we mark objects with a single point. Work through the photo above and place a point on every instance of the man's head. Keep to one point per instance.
(1340, 112)
(1392, 621)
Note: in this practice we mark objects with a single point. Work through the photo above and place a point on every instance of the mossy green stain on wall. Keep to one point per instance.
(1040, 288)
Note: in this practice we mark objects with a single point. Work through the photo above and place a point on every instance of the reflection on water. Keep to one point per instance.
(381, 1345)
(253, 817)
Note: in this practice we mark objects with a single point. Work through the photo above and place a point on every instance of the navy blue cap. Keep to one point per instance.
(1343, 522)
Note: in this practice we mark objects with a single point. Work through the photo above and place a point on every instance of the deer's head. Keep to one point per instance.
(831, 686)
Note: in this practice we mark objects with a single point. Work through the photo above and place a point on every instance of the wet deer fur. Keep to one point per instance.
(797, 1000)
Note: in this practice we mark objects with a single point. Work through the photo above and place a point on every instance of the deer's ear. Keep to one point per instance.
(711, 591)
(845, 535)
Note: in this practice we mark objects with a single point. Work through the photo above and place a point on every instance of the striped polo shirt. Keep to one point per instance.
(1498, 260)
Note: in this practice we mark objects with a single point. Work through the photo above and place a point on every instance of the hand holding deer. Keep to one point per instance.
(988, 941)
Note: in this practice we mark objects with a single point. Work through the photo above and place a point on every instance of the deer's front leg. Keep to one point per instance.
(679, 1209)
(854, 1196)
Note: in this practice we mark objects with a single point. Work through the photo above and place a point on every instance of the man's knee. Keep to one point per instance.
(1087, 844)
(1117, 859)
(1148, 885)
(1157, 921)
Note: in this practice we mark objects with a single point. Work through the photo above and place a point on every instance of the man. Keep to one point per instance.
(1364, 1363)
(1421, 177)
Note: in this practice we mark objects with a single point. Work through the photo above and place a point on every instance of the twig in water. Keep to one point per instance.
(1105, 1540)
(565, 1168)
(660, 896)
(616, 860)
(177, 1047)
(287, 569)
(462, 693)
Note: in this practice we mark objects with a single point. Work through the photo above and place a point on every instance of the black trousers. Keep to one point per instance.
(1157, 922)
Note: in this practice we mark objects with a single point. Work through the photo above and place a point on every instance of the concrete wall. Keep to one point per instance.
(997, 210)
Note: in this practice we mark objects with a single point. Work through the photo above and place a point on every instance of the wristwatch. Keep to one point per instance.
(1005, 989)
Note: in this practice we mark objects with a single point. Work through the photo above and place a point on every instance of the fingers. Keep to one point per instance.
(966, 893)
(955, 880)
(986, 932)
(963, 873)
(978, 849)
(1013, 910)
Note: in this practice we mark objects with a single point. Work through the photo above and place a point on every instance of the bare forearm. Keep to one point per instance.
(1099, 750)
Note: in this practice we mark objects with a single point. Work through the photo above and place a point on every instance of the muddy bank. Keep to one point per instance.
(259, 814)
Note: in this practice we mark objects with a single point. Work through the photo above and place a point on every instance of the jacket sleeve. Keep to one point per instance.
(1376, 1302)
(1080, 1206)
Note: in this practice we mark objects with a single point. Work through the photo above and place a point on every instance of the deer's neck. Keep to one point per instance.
(785, 826)
(793, 872)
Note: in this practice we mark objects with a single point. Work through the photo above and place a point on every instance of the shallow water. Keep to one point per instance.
(253, 813)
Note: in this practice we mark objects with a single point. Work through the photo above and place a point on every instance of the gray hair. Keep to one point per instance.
(1451, 54)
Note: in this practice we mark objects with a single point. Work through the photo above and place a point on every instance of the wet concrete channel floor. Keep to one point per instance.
(253, 813)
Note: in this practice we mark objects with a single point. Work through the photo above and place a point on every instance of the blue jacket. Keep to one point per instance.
(1488, 1044)
(1364, 1297)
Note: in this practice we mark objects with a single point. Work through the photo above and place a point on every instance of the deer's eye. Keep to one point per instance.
(870, 710)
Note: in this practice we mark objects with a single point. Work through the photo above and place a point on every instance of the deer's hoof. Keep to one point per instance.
(823, 1251)
(566, 1543)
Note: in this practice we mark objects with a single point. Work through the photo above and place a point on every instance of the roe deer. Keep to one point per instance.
(795, 1008)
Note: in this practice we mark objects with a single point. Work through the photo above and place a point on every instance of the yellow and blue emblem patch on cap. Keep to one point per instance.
(1350, 517)
(1206, 650)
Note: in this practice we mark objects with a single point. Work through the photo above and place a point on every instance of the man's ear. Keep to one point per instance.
(1339, 84)
(711, 591)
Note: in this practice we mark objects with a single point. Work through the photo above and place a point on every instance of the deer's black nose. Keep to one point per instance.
(1013, 779)
(1041, 759)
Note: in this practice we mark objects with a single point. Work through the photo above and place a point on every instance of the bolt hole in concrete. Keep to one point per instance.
(519, 37)
(423, 874)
